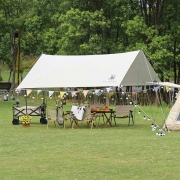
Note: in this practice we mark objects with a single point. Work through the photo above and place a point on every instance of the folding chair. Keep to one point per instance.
(56, 115)
(124, 111)
(82, 113)
(51, 115)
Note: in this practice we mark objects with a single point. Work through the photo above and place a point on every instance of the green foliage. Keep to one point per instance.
(96, 27)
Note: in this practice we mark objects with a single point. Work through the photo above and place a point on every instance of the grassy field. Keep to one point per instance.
(118, 152)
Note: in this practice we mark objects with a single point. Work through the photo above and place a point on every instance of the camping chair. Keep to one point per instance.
(56, 115)
(95, 107)
(124, 111)
(80, 114)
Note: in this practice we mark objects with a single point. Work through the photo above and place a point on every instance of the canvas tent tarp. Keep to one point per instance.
(127, 69)
(173, 119)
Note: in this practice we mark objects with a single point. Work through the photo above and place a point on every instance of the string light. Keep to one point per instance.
(160, 134)
(153, 127)
(149, 119)
(144, 117)
(139, 112)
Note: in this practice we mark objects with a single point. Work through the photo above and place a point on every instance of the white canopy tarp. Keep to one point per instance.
(127, 69)
(168, 84)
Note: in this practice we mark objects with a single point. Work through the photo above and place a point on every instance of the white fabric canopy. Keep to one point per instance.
(173, 119)
(127, 69)
(168, 84)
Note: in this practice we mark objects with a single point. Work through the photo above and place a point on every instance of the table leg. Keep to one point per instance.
(108, 119)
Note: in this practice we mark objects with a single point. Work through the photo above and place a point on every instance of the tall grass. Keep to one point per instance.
(118, 152)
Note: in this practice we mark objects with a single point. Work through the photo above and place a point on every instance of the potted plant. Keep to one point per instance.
(25, 120)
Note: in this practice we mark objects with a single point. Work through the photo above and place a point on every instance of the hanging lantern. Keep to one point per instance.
(12, 97)
(17, 102)
(5, 97)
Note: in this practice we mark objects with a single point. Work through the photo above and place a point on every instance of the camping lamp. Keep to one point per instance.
(17, 102)
(155, 83)
(12, 97)
(5, 97)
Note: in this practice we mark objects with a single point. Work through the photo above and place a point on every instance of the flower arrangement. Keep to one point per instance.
(25, 119)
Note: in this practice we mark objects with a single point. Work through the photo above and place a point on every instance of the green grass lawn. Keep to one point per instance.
(111, 153)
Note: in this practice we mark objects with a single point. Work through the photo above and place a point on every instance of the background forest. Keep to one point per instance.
(29, 28)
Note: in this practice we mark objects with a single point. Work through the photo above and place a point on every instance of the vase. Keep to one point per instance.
(25, 125)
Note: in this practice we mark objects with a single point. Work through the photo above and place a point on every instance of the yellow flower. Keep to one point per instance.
(25, 119)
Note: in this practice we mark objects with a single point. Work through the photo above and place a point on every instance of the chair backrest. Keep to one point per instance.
(51, 113)
(87, 113)
(122, 110)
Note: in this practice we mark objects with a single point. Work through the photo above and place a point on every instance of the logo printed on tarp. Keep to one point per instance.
(112, 77)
